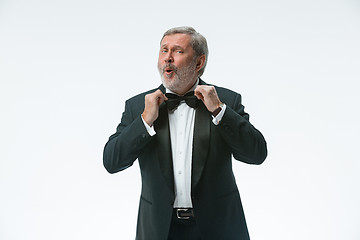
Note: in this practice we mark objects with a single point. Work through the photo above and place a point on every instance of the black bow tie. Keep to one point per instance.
(174, 100)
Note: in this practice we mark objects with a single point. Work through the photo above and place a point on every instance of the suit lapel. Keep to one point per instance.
(163, 144)
(201, 142)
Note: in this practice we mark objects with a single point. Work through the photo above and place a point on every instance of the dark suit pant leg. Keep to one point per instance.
(181, 229)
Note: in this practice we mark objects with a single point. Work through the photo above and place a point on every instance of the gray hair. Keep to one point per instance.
(198, 42)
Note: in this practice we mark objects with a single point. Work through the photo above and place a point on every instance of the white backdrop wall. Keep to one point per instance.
(66, 68)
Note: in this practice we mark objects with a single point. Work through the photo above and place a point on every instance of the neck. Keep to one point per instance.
(183, 91)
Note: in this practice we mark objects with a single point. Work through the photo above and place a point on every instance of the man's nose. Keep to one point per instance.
(169, 58)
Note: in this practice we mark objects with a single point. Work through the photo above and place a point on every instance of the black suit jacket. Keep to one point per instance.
(214, 193)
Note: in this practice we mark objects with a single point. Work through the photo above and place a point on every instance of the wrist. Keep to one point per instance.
(218, 109)
(144, 116)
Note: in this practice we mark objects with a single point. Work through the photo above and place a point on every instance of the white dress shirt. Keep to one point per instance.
(181, 124)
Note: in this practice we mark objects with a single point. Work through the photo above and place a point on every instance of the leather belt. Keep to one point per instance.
(184, 213)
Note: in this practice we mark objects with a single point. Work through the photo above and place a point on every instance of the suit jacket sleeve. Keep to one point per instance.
(246, 142)
(131, 136)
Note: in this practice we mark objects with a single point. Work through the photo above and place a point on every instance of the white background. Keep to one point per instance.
(67, 66)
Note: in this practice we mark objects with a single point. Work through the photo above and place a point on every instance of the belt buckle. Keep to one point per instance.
(179, 210)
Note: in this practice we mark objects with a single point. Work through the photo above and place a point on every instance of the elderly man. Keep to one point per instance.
(184, 134)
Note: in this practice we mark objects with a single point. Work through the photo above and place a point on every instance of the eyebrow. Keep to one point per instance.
(175, 46)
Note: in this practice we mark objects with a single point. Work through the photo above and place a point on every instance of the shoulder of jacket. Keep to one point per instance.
(141, 96)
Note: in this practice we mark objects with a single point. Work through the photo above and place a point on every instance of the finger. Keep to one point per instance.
(162, 98)
(162, 95)
(159, 91)
(199, 88)
(157, 94)
(199, 95)
(198, 92)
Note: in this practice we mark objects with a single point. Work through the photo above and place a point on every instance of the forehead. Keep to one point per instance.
(178, 39)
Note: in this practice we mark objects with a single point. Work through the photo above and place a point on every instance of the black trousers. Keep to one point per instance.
(183, 229)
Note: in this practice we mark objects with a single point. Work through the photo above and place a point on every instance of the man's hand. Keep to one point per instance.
(152, 103)
(209, 96)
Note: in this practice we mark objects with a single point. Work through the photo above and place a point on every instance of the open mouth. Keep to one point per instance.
(169, 70)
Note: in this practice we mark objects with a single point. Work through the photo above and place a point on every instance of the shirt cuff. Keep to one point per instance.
(216, 120)
(149, 129)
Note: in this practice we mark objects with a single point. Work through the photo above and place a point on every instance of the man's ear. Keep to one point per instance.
(200, 62)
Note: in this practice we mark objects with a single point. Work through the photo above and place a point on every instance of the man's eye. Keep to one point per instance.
(179, 51)
(164, 51)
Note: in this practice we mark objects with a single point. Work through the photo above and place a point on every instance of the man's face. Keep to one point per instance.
(176, 63)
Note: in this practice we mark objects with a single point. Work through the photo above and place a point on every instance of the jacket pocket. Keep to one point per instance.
(227, 194)
(145, 200)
